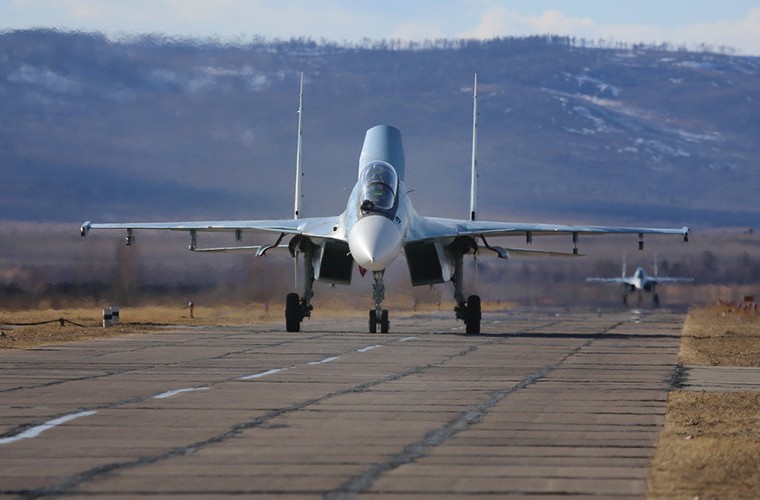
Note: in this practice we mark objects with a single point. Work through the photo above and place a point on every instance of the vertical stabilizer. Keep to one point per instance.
(299, 170)
(474, 163)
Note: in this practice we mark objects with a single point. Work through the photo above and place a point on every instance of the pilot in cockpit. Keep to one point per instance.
(379, 185)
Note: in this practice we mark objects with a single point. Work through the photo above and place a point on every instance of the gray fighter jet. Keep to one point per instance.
(640, 282)
(378, 225)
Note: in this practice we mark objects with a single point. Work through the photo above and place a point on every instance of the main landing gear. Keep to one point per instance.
(297, 308)
(655, 299)
(469, 310)
(378, 315)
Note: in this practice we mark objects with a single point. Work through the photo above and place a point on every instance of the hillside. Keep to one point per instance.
(92, 129)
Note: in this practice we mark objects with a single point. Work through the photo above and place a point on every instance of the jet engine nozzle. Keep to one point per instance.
(375, 242)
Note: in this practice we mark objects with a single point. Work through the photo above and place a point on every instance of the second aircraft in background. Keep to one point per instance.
(640, 282)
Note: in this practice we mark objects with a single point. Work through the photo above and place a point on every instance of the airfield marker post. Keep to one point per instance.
(107, 317)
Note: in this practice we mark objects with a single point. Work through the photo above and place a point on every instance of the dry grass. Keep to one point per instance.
(721, 335)
(147, 319)
(710, 445)
(709, 448)
(135, 320)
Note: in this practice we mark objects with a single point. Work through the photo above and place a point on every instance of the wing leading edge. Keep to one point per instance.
(435, 228)
(448, 228)
(317, 227)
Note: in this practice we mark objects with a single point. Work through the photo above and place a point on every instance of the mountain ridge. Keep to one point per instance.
(154, 128)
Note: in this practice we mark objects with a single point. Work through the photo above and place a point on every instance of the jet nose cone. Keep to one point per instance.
(374, 242)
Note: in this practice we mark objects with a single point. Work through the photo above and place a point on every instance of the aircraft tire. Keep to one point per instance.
(656, 300)
(372, 321)
(384, 323)
(292, 313)
(472, 314)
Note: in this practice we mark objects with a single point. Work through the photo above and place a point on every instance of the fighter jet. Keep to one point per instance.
(378, 225)
(640, 282)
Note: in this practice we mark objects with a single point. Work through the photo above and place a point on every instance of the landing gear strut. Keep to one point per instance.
(298, 308)
(378, 315)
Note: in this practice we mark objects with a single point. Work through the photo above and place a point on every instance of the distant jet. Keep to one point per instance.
(640, 282)
(379, 224)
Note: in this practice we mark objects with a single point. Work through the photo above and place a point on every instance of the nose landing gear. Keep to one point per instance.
(378, 315)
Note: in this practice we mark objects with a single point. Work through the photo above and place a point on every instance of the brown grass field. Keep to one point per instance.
(710, 444)
(134, 320)
(146, 319)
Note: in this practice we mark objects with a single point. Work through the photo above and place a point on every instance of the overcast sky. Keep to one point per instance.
(733, 23)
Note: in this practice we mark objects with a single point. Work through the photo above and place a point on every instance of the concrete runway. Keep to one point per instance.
(539, 404)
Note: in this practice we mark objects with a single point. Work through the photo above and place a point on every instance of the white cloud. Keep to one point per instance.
(354, 20)
(742, 34)
(418, 31)
(498, 21)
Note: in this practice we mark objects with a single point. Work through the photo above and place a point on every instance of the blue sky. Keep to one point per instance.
(734, 23)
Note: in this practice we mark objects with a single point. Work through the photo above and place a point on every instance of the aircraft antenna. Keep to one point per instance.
(474, 164)
(299, 171)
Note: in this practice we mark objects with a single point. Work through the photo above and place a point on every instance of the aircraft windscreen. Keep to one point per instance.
(379, 182)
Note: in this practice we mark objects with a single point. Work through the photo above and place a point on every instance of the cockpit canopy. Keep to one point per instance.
(379, 185)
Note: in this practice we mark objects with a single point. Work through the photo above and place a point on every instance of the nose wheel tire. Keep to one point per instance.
(383, 321)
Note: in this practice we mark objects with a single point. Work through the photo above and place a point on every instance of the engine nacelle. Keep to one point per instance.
(333, 262)
(428, 262)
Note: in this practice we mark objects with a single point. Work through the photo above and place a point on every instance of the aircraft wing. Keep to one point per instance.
(319, 227)
(664, 279)
(621, 280)
(435, 227)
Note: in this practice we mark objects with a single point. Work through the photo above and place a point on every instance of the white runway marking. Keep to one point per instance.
(169, 394)
(326, 360)
(36, 431)
(261, 374)
(407, 339)
(369, 348)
